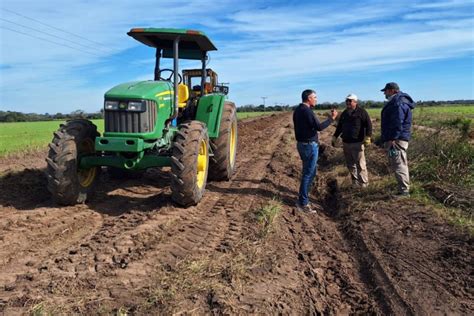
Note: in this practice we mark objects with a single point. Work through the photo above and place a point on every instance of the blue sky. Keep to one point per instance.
(60, 56)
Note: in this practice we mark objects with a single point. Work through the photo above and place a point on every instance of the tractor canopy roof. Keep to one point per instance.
(192, 44)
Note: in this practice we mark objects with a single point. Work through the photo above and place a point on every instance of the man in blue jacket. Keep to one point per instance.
(307, 126)
(396, 125)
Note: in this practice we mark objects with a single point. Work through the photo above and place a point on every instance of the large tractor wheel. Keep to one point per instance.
(67, 183)
(222, 164)
(189, 163)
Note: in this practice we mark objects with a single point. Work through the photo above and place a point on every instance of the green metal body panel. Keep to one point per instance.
(139, 90)
(209, 111)
(121, 144)
(159, 91)
(128, 155)
(139, 163)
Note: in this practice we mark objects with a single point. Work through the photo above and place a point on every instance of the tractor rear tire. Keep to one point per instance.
(189, 163)
(222, 164)
(67, 183)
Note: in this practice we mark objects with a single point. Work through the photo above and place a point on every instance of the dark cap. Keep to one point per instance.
(391, 85)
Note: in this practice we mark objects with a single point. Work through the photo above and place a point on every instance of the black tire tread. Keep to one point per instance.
(61, 171)
(184, 163)
(220, 168)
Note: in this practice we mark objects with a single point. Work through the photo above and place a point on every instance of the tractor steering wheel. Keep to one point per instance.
(170, 77)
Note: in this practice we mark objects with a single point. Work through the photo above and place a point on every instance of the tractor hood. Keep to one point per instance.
(148, 90)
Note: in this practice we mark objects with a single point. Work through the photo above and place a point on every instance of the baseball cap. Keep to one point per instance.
(391, 85)
(352, 96)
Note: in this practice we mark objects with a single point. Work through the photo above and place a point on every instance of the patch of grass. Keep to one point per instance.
(21, 136)
(454, 215)
(442, 159)
(46, 309)
(266, 216)
(457, 117)
(463, 124)
(244, 115)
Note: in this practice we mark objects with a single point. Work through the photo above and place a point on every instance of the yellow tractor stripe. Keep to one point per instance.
(163, 93)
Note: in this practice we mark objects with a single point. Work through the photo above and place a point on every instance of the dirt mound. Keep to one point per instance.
(244, 249)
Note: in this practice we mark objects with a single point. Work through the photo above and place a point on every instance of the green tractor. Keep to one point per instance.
(183, 121)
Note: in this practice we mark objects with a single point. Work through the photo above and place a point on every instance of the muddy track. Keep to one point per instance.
(130, 248)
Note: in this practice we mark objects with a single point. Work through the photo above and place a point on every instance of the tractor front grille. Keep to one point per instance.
(131, 122)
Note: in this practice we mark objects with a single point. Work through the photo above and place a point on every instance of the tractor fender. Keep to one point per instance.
(209, 111)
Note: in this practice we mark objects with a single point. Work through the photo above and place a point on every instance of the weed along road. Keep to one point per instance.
(243, 249)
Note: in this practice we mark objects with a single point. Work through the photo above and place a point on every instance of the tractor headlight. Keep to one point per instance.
(111, 105)
(136, 106)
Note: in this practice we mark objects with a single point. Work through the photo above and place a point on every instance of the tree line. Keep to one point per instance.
(12, 116)
(331, 105)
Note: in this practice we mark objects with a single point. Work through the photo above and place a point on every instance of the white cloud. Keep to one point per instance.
(262, 46)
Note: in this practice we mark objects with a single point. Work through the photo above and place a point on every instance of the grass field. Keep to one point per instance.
(430, 115)
(19, 136)
(244, 115)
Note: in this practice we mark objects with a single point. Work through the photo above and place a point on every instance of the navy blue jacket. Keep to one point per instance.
(307, 124)
(397, 117)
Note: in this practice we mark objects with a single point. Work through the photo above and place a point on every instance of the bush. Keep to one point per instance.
(443, 158)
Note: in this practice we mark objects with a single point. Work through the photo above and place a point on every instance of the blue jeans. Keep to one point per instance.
(309, 155)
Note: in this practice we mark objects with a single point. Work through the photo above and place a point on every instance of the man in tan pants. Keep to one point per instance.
(356, 129)
(396, 132)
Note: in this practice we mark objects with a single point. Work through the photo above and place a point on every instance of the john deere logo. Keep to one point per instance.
(122, 105)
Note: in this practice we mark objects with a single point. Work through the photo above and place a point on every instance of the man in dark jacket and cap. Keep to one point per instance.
(396, 126)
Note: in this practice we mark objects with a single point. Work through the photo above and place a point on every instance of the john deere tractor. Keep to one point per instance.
(183, 121)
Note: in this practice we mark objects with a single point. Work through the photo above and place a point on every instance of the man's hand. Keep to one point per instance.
(333, 141)
(367, 141)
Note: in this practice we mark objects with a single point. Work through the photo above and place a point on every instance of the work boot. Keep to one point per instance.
(305, 208)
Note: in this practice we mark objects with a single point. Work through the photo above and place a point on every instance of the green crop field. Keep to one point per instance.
(458, 117)
(21, 136)
(437, 112)
(244, 115)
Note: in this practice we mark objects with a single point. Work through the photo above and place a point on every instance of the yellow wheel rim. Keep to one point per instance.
(233, 142)
(86, 176)
(202, 164)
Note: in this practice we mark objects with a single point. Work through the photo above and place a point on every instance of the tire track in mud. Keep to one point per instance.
(25, 243)
(215, 224)
(389, 300)
(132, 244)
(317, 265)
(395, 245)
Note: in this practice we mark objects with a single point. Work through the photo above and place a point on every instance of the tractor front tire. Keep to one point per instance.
(224, 148)
(189, 163)
(67, 183)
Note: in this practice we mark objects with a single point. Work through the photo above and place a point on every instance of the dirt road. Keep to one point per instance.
(130, 249)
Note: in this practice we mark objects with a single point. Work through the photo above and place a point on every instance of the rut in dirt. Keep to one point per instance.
(130, 248)
(400, 246)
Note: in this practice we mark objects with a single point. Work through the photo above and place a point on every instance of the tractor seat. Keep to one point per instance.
(183, 95)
